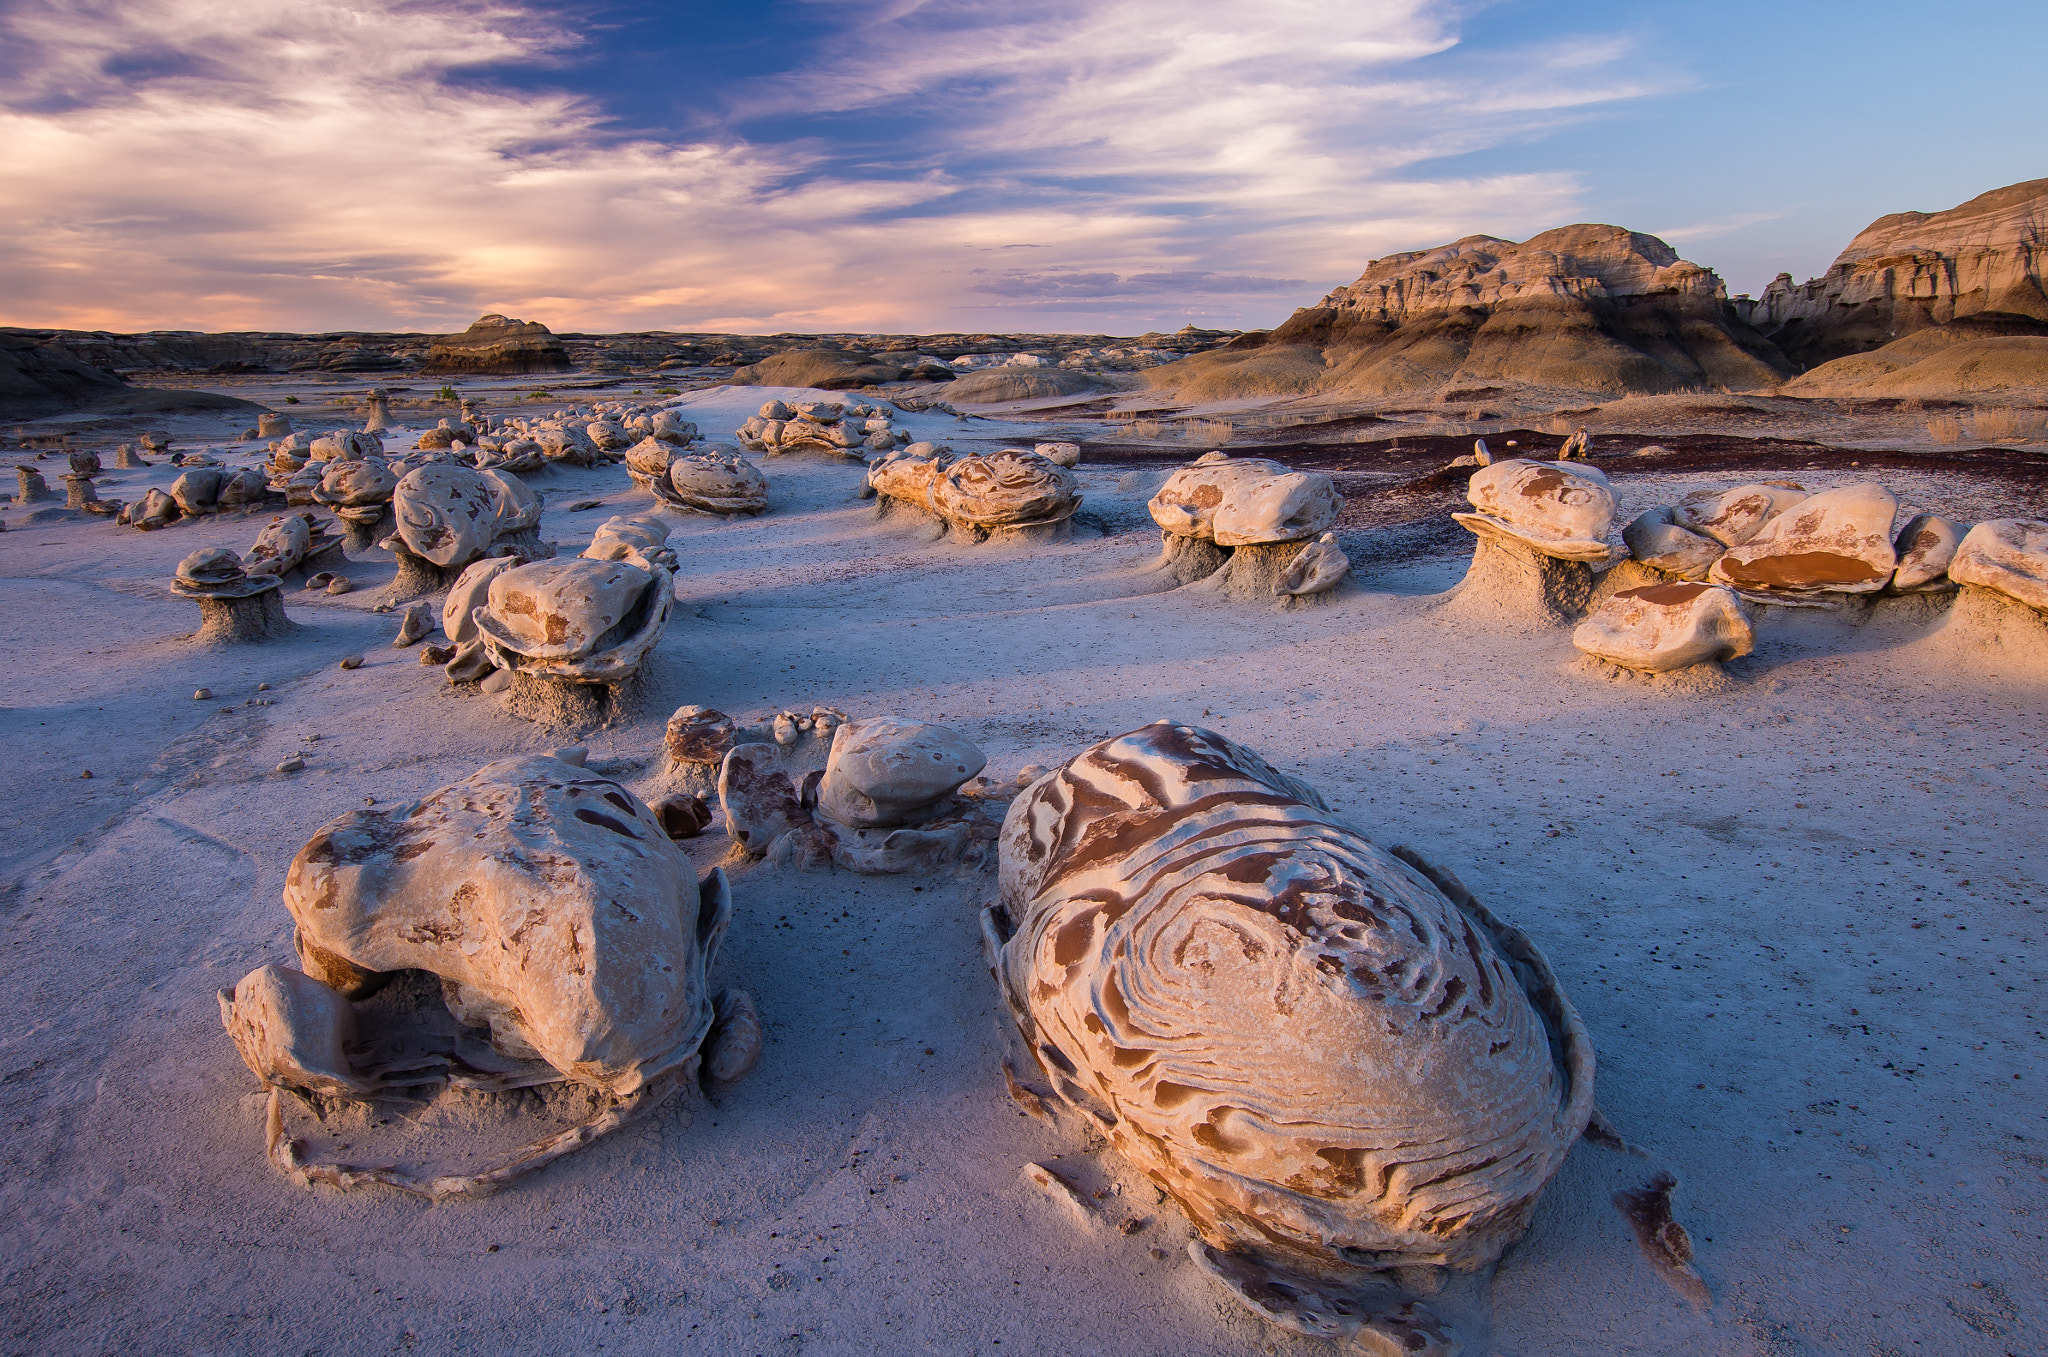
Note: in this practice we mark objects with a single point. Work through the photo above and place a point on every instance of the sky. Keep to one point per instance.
(919, 166)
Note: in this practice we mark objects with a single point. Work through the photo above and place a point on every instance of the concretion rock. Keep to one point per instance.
(211, 568)
(2009, 555)
(293, 1031)
(516, 505)
(446, 514)
(197, 492)
(270, 424)
(156, 440)
(1732, 517)
(79, 493)
(1066, 454)
(717, 480)
(84, 463)
(1925, 547)
(908, 476)
(606, 435)
(125, 458)
(670, 427)
(647, 461)
(242, 489)
(1655, 540)
(154, 510)
(1335, 1060)
(575, 620)
(1005, 489)
(566, 444)
(760, 800)
(1245, 501)
(625, 537)
(698, 735)
(414, 625)
(469, 592)
(547, 900)
(345, 445)
(280, 546)
(1553, 509)
(355, 484)
(1836, 542)
(495, 343)
(886, 771)
(1318, 568)
(1662, 627)
(517, 455)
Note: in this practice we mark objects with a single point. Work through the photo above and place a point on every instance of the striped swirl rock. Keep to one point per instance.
(1333, 1058)
(1009, 488)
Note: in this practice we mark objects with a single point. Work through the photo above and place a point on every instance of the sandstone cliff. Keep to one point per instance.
(1589, 309)
(497, 343)
(1914, 270)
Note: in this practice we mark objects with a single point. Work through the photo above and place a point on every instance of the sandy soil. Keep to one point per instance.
(1814, 979)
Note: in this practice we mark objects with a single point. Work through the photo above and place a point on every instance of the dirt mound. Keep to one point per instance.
(995, 387)
(1593, 309)
(498, 344)
(822, 369)
(40, 379)
(1941, 362)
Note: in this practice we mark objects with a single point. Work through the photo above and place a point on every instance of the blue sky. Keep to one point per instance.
(929, 165)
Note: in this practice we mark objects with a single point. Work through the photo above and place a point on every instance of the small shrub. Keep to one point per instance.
(665, 391)
(447, 393)
(1945, 429)
(291, 400)
(2002, 424)
(540, 394)
(1211, 431)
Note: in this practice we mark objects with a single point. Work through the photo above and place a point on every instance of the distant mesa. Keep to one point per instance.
(821, 369)
(1924, 304)
(1590, 308)
(498, 344)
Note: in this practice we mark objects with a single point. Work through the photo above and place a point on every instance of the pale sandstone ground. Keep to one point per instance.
(1729, 885)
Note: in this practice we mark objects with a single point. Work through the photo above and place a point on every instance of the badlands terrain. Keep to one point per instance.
(1801, 908)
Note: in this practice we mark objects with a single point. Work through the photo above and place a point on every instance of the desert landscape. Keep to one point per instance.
(488, 868)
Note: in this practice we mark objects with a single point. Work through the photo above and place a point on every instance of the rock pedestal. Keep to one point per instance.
(125, 458)
(33, 487)
(78, 492)
(1511, 582)
(240, 619)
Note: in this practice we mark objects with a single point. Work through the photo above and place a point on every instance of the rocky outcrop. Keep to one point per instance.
(39, 379)
(1589, 308)
(820, 369)
(1978, 266)
(498, 344)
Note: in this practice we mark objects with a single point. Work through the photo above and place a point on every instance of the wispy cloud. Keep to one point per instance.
(315, 164)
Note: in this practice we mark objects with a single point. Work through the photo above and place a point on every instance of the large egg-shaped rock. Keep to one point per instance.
(1009, 488)
(280, 546)
(1333, 1065)
(717, 481)
(647, 460)
(889, 771)
(446, 514)
(560, 609)
(548, 900)
(197, 492)
(1653, 538)
(1732, 517)
(356, 483)
(1661, 627)
(516, 505)
(2006, 554)
(1838, 541)
(1926, 546)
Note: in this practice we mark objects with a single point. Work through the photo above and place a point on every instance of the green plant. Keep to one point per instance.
(667, 391)
(638, 392)
(447, 393)
(540, 393)
(291, 400)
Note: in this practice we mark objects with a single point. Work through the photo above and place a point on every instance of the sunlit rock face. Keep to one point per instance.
(499, 344)
(1660, 627)
(1835, 542)
(1554, 509)
(1909, 271)
(1331, 1065)
(2009, 555)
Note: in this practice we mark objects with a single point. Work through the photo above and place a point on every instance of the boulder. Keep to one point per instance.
(574, 620)
(1009, 488)
(887, 771)
(1925, 547)
(345, 445)
(717, 480)
(280, 546)
(355, 484)
(647, 461)
(270, 424)
(469, 592)
(1732, 517)
(1066, 454)
(1655, 540)
(624, 537)
(1556, 510)
(1316, 569)
(2009, 555)
(197, 492)
(446, 515)
(1661, 627)
(1836, 542)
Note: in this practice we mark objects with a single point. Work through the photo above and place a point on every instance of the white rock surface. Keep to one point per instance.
(1835, 542)
(2006, 554)
(1245, 501)
(886, 771)
(1561, 511)
(1660, 627)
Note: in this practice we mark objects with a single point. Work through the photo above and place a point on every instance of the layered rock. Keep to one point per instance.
(498, 344)
(1590, 308)
(1981, 262)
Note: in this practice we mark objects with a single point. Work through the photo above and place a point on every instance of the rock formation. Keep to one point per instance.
(713, 480)
(1183, 937)
(1661, 627)
(1835, 543)
(2009, 555)
(1008, 491)
(1236, 524)
(1974, 272)
(570, 633)
(821, 369)
(849, 430)
(1593, 309)
(447, 516)
(495, 343)
(235, 607)
(542, 904)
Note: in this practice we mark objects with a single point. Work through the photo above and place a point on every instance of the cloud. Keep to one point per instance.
(311, 164)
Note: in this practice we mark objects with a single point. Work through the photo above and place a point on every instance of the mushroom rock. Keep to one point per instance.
(379, 414)
(197, 492)
(575, 621)
(125, 459)
(2007, 555)
(1556, 510)
(670, 427)
(270, 424)
(499, 344)
(84, 463)
(1185, 934)
(886, 771)
(234, 606)
(445, 515)
(280, 546)
(1245, 501)
(1661, 627)
(1925, 547)
(1655, 538)
(535, 900)
(359, 493)
(717, 480)
(79, 493)
(1733, 517)
(1838, 542)
(1005, 490)
(1065, 454)
(647, 461)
